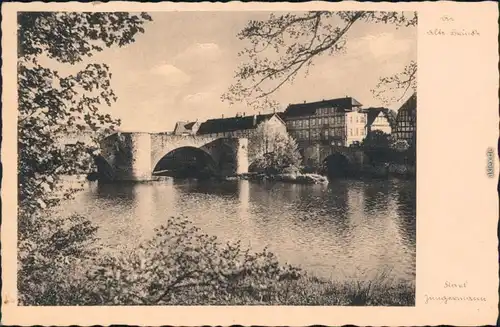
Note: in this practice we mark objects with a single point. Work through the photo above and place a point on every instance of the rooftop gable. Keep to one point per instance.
(184, 127)
(373, 112)
(222, 125)
(409, 106)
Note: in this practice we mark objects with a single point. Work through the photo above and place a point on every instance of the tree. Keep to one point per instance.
(297, 40)
(376, 139)
(401, 82)
(377, 146)
(51, 105)
(273, 148)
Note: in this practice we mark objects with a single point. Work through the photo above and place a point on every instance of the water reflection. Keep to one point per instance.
(347, 229)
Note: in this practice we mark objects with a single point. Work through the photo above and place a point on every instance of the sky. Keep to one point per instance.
(182, 64)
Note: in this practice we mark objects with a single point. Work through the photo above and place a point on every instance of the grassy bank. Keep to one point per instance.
(305, 291)
(179, 266)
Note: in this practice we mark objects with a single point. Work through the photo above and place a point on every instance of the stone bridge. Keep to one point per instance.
(338, 157)
(320, 152)
(137, 156)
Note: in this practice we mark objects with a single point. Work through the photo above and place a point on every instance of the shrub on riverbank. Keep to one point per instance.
(181, 266)
(297, 178)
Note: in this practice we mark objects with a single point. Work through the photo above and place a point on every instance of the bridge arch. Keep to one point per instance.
(105, 170)
(186, 161)
(337, 165)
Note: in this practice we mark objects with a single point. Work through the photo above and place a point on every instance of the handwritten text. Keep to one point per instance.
(446, 299)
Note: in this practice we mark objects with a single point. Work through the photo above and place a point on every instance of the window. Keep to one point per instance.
(306, 134)
(357, 132)
(314, 134)
(313, 122)
(350, 131)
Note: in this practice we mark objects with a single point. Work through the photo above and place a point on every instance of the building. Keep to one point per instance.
(406, 121)
(378, 119)
(239, 126)
(186, 128)
(337, 121)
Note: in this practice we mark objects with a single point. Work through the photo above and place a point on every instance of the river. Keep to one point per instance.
(349, 229)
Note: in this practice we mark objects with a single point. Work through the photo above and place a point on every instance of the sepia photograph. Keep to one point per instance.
(216, 158)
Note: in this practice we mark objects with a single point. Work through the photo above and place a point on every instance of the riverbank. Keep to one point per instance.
(297, 178)
(307, 291)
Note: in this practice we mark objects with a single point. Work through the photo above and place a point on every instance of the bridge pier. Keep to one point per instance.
(128, 155)
(140, 161)
(241, 153)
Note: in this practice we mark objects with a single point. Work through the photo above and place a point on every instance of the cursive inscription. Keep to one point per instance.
(448, 284)
(453, 32)
(447, 18)
(448, 30)
(447, 299)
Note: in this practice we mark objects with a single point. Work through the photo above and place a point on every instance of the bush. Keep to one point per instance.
(181, 266)
(50, 250)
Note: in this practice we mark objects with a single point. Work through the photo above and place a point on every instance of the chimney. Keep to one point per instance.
(254, 120)
(223, 116)
(244, 114)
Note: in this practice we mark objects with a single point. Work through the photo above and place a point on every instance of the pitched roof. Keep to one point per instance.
(373, 112)
(410, 105)
(221, 125)
(184, 127)
(306, 109)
